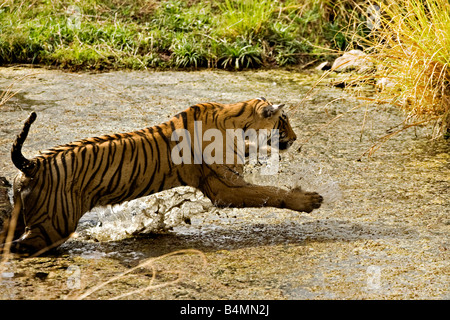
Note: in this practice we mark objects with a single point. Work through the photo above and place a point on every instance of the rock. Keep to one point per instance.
(323, 66)
(41, 275)
(352, 60)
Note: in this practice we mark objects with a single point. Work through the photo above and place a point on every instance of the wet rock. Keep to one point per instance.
(41, 275)
(352, 60)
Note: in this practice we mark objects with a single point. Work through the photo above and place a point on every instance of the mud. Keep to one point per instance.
(383, 232)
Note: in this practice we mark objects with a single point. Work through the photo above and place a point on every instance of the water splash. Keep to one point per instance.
(306, 173)
(174, 208)
(313, 176)
(153, 214)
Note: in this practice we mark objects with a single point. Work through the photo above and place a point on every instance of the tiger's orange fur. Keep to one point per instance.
(54, 190)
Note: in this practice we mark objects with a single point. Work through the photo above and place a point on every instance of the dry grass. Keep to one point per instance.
(411, 51)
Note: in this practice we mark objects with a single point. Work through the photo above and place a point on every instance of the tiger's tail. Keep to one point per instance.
(22, 163)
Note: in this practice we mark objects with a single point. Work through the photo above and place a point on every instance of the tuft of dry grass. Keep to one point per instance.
(411, 52)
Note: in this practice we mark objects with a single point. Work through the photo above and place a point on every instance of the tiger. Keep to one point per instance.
(53, 190)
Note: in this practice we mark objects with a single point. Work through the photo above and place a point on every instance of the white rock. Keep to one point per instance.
(323, 66)
(352, 60)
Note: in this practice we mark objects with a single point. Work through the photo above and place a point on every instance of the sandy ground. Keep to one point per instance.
(383, 232)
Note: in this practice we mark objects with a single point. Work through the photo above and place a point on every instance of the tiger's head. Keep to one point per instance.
(272, 116)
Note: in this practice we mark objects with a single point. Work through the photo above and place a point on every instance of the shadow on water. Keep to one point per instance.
(245, 236)
(18, 101)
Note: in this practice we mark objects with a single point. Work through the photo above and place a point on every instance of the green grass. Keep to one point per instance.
(139, 34)
(245, 18)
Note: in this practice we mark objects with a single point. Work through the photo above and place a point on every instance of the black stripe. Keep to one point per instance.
(151, 138)
(180, 179)
(167, 141)
(59, 195)
(133, 185)
(63, 162)
(43, 200)
(197, 112)
(134, 175)
(57, 181)
(95, 174)
(241, 111)
(238, 114)
(67, 210)
(215, 117)
(84, 163)
(172, 127)
(94, 155)
(118, 173)
(185, 119)
(161, 186)
(44, 234)
(146, 190)
(145, 156)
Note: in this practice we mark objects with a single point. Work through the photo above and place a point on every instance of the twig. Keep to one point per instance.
(369, 152)
(146, 263)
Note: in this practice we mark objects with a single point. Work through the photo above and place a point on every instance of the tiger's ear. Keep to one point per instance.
(270, 110)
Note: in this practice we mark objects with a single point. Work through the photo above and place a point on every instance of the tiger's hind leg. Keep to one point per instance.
(39, 239)
(41, 232)
(33, 233)
(227, 188)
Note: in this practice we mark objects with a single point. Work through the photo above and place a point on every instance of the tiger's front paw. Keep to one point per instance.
(299, 200)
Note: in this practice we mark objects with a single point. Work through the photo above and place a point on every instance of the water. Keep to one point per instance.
(389, 212)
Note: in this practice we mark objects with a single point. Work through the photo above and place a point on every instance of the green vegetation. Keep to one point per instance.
(410, 48)
(138, 34)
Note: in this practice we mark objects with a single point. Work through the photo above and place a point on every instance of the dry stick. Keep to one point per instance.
(144, 264)
(315, 85)
(307, 95)
(385, 138)
(364, 123)
(150, 287)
